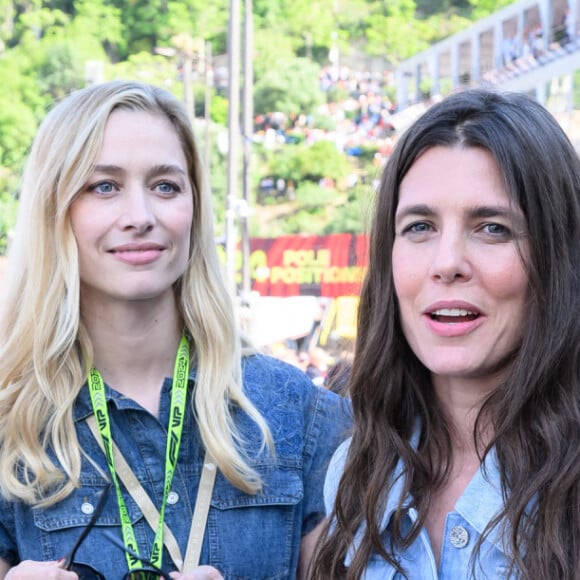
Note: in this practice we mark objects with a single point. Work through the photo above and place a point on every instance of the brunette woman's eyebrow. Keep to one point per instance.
(419, 210)
(513, 216)
(493, 211)
(483, 211)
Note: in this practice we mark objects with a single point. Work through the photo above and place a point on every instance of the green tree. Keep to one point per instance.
(311, 196)
(270, 48)
(289, 86)
(45, 46)
(21, 107)
(8, 211)
(353, 214)
(7, 15)
(98, 22)
(483, 8)
(36, 21)
(143, 22)
(218, 109)
(17, 127)
(393, 31)
(300, 221)
(60, 70)
(149, 68)
(301, 21)
(298, 163)
(198, 18)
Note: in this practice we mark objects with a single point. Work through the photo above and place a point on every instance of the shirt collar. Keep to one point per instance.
(483, 499)
(480, 502)
(397, 487)
(395, 493)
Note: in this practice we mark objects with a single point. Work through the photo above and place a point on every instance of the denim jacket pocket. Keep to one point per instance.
(59, 526)
(256, 537)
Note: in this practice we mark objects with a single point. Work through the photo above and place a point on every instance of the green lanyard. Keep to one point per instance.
(174, 430)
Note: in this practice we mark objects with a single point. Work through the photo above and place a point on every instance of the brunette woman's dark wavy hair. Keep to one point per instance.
(535, 411)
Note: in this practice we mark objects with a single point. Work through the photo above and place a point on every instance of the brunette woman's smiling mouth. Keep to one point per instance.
(453, 315)
(138, 254)
(449, 319)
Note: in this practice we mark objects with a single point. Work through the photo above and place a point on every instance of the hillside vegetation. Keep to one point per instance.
(50, 48)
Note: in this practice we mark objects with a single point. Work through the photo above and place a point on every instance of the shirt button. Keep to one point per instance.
(458, 536)
(172, 497)
(87, 508)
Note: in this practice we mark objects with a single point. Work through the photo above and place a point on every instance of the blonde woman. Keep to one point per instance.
(119, 343)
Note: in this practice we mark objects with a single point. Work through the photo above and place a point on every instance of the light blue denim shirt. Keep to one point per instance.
(247, 536)
(480, 502)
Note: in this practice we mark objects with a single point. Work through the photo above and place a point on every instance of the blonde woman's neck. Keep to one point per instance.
(134, 346)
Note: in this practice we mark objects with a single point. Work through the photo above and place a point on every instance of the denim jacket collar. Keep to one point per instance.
(83, 407)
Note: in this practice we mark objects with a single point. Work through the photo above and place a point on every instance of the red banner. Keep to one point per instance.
(304, 265)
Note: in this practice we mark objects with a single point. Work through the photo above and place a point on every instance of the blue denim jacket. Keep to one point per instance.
(479, 503)
(247, 536)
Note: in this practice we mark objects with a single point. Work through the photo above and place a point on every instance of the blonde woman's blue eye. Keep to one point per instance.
(166, 187)
(103, 187)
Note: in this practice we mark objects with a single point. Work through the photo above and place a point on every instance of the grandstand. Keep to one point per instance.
(530, 46)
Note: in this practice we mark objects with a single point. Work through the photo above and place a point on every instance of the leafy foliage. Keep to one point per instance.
(49, 48)
(309, 162)
(310, 195)
(483, 8)
(352, 215)
(8, 209)
(272, 92)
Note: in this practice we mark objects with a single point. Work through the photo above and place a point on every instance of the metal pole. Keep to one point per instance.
(207, 110)
(187, 85)
(233, 142)
(248, 130)
(185, 47)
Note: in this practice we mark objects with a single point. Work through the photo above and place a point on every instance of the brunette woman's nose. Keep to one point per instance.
(450, 259)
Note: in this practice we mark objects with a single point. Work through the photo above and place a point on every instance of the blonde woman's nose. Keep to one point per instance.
(137, 211)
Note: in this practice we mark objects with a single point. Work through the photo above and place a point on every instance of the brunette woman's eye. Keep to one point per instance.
(417, 228)
(496, 230)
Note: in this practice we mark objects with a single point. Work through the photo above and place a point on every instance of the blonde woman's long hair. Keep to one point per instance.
(45, 350)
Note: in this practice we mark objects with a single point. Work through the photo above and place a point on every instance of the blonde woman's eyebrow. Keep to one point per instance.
(166, 169)
(108, 168)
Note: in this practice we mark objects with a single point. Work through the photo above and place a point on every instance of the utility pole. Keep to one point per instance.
(233, 142)
(186, 46)
(207, 109)
(248, 132)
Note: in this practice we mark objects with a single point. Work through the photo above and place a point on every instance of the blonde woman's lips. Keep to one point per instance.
(137, 254)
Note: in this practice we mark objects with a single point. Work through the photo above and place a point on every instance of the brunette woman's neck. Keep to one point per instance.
(461, 400)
